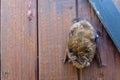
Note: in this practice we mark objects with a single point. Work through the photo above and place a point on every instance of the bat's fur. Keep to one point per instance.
(81, 44)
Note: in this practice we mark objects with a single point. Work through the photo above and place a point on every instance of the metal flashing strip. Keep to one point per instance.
(110, 18)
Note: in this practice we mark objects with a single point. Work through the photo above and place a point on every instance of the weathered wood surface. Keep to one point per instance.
(18, 41)
(0, 39)
(55, 19)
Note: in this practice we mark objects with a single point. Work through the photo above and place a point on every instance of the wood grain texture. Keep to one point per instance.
(55, 19)
(18, 41)
(0, 39)
(108, 51)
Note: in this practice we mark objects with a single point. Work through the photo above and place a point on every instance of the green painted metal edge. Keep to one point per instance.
(110, 18)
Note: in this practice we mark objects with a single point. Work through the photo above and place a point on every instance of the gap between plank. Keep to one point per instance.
(37, 39)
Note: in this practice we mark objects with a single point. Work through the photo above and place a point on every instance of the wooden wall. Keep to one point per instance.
(18, 41)
(34, 49)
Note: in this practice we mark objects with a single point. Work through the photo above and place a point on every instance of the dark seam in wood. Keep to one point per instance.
(37, 25)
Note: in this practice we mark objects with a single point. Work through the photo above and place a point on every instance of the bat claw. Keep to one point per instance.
(103, 65)
(64, 60)
(69, 61)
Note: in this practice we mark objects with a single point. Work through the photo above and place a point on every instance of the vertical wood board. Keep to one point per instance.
(55, 19)
(18, 41)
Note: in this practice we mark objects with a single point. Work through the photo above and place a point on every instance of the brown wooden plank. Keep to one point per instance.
(117, 64)
(85, 12)
(112, 58)
(55, 19)
(18, 43)
(0, 39)
(106, 48)
(109, 54)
